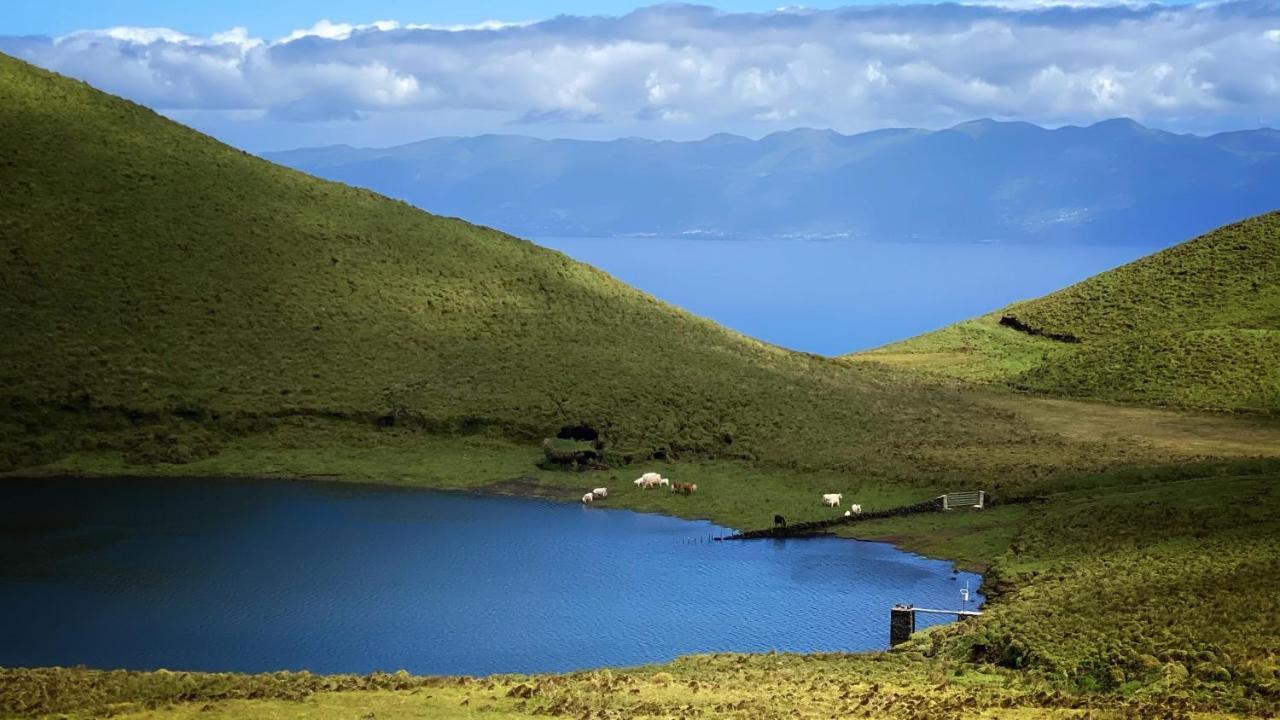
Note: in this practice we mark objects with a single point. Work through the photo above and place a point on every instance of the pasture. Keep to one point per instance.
(1134, 594)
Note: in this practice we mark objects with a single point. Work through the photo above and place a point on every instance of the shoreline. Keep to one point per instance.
(897, 541)
(373, 485)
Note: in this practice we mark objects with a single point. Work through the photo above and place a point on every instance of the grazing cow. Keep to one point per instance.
(779, 521)
(856, 509)
(649, 479)
(831, 499)
(601, 492)
(588, 499)
(684, 488)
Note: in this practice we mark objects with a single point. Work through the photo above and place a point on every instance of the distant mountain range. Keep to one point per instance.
(1115, 181)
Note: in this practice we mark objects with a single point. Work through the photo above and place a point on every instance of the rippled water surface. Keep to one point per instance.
(266, 575)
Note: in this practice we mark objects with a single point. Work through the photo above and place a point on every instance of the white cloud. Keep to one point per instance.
(679, 66)
(342, 31)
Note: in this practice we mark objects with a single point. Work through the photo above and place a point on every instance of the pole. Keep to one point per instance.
(902, 622)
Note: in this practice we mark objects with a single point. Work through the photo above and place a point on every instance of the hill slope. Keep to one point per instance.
(154, 278)
(1197, 325)
(1112, 182)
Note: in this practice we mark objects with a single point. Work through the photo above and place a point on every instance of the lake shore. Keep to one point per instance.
(1030, 555)
(735, 495)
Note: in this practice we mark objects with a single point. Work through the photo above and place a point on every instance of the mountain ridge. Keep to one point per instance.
(1114, 181)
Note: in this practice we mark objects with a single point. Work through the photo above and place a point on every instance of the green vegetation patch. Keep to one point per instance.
(1197, 325)
(1159, 584)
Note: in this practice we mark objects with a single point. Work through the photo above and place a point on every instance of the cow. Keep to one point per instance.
(588, 498)
(779, 521)
(684, 488)
(847, 513)
(831, 499)
(601, 492)
(855, 509)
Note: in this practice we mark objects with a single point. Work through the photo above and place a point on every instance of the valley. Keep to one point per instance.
(173, 307)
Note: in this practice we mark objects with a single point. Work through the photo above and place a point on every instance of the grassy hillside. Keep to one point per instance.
(167, 292)
(1197, 325)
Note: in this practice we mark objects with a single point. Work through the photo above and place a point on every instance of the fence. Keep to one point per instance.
(974, 499)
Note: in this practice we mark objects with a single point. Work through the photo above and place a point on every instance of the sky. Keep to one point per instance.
(277, 18)
(279, 75)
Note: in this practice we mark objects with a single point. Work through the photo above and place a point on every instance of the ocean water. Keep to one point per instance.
(837, 296)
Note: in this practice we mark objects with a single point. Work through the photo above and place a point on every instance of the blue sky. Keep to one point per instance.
(276, 18)
(276, 75)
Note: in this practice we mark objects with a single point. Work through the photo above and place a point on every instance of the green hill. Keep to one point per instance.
(1197, 325)
(165, 291)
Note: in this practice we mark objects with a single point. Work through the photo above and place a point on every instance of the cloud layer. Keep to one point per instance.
(677, 70)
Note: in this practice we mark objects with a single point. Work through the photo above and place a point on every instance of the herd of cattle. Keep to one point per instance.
(647, 481)
(652, 480)
(833, 500)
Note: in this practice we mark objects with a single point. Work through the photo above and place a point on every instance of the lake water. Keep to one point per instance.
(834, 297)
(267, 575)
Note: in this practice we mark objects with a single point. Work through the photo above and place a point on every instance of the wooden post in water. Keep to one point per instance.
(902, 622)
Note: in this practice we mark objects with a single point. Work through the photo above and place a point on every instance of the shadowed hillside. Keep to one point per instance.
(1197, 325)
(164, 291)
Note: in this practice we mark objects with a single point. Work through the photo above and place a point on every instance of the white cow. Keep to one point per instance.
(601, 492)
(831, 499)
(648, 480)
(588, 498)
(847, 513)
(855, 508)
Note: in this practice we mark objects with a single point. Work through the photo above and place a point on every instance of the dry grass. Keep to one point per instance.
(1179, 434)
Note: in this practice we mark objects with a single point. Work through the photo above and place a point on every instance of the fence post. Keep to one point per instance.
(902, 622)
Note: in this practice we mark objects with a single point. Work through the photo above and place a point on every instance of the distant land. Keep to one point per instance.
(982, 181)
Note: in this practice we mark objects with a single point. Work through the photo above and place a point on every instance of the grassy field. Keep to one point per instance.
(1075, 439)
(1197, 325)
